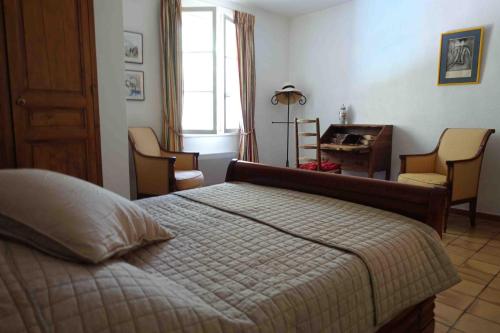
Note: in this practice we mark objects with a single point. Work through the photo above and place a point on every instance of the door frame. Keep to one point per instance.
(7, 143)
(95, 94)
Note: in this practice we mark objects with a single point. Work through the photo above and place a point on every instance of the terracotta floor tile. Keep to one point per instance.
(460, 251)
(495, 283)
(456, 259)
(440, 328)
(474, 275)
(446, 314)
(494, 242)
(482, 234)
(472, 324)
(494, 230)
(480, 240)
(448, 238)
(479, 292)
(485, 310)
(492, 250)
(468, 287)
(458, 231)
(467, 244)
(482, 266)
(491, 295)
(455, 299)
(488, 258)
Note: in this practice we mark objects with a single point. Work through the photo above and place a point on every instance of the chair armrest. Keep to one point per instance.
(463, 175)
(418, 163)
(154, 174)
(184, 161)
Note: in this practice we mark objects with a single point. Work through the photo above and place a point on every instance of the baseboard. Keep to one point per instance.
(485, 216)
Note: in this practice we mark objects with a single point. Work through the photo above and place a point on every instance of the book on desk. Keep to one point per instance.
(366, 148)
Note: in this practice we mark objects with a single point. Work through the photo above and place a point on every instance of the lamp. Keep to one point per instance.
(288, 95)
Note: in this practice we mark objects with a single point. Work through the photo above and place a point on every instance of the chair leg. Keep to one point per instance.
(472, 212)
(447, 214)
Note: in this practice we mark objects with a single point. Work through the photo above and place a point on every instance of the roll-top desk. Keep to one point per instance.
(370, 154)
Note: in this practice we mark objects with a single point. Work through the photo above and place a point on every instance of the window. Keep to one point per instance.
(210, 65)
(198, 59)
(232, 100)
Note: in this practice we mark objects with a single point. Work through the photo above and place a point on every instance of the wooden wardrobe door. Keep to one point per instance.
(51, 55)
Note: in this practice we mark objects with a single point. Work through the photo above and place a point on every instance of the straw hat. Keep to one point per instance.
(288, 90)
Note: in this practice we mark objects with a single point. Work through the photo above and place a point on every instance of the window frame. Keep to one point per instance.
(227, 130)
(213, 10)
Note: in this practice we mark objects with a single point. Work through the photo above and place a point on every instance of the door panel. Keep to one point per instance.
(52, 48)
(64, 157)
(57, 118)
(50, 45)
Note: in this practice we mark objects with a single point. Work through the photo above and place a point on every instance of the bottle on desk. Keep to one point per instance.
(343, 115)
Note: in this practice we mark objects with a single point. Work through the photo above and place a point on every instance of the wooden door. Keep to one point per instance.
(52, 74)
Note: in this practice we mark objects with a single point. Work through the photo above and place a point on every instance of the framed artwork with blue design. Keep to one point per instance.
(134, 83)
(460, 60)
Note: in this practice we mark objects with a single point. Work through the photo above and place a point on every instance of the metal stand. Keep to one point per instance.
(274, 101)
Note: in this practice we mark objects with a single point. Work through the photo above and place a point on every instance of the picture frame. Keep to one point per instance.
(133, 46)
(460, 56)
(134, 83)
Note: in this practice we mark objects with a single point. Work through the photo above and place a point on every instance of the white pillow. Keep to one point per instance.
(70, 218)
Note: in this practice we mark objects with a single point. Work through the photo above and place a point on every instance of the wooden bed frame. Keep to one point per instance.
(427, 205)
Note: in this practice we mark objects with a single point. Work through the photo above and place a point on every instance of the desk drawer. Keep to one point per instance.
(349, 161)
(358, 165)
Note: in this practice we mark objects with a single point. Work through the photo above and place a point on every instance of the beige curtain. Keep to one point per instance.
(245, 24)
(171, 70)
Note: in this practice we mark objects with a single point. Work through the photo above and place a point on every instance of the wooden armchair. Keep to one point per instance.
(454, 164)
(158, 171)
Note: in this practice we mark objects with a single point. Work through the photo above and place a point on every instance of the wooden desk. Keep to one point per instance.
(372, 157)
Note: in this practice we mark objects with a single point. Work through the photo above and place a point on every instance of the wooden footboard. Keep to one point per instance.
(421, 203)
(417, 319)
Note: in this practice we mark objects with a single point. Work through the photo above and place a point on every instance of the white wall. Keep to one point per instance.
(143, 16)
(380, 56)
(271, 39)
(114, 143)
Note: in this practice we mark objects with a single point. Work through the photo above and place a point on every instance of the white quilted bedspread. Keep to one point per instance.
(245, 259)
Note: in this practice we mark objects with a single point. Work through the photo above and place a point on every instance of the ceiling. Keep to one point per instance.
(291, 7)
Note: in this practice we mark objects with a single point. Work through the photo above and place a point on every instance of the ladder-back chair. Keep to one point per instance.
(311, 163)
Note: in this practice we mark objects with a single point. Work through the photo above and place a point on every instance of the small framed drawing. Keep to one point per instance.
(133, 45)
(134, 82)
(460, 60)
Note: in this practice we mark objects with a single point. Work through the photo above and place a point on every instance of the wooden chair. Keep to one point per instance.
(454, 164)
(312, 163)
(158, 171)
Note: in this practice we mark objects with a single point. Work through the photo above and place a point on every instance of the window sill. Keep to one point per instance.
(194, 135)
(219, 155)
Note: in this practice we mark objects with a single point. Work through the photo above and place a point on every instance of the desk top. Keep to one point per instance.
(337, 147)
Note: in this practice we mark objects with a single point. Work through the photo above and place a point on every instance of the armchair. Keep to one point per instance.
(158, 171)
(454, 164)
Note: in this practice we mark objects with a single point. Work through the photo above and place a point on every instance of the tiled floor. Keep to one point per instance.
(474, 304)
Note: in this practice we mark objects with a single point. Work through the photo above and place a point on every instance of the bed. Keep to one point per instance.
(271, 250)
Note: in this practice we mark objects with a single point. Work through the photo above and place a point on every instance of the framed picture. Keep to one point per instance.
(460, 60)
(132, 44)
(134, 82)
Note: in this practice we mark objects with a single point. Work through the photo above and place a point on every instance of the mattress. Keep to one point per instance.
(245, 258)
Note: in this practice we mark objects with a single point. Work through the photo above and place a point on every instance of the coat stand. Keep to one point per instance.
(288, 95)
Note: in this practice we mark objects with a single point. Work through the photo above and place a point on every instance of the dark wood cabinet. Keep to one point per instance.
(371, 156)
(48, 89)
